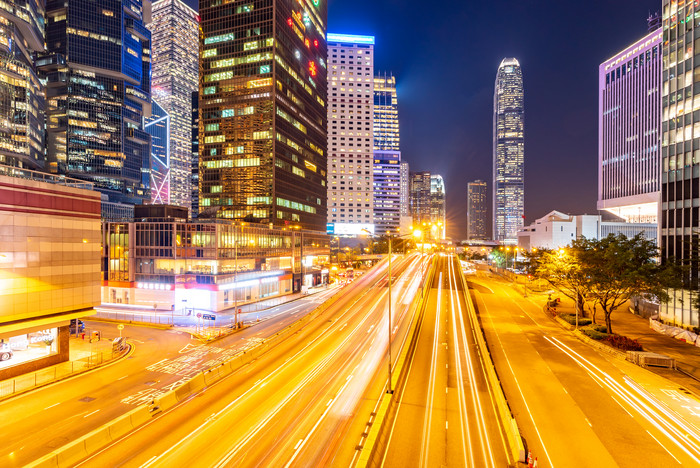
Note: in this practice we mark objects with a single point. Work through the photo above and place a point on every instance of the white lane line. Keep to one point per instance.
(55, 404)
(90, 414)
(122, 378)
(664, 447)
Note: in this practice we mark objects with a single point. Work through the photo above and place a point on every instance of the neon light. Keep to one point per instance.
(307, 43)
(289, 21)
(312, 68)
(350, 38)
(316, 42)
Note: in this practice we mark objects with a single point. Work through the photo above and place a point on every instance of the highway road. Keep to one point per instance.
(38, 422)
(576, 406)
(296, 405)
(446, 416)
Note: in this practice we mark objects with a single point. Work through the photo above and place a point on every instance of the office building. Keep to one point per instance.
(387, 192)
(477, 210)
(508, 152)
(194, 161)
(206, 265)
(49, 265)
(22, 105)
(175, 75)
(159, 126)
(680, 156)
(428, 207)
(262, 102)
(350, 133)
(98, 73)
(405, 199)
(386, 113)
(629, 131)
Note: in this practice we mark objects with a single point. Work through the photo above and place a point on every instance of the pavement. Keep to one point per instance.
(299, 404)
(633, 326)
(575, 405)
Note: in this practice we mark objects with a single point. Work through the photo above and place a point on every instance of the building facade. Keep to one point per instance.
(477, 210)
(428, 208)
(98, 73)
(405, 189)
(207, 265)
(629, 131)
(22, 103)
(386, 113)
(679, 222)
(557, 229)
(194, 161)
(49, 265)
(508, 152)
(262, 101)
(350, 133)
(387, 192)
(175, 75)
(159, 126)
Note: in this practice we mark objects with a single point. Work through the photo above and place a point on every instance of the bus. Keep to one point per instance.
(350, 273)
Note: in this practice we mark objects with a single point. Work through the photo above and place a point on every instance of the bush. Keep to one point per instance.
(593, 332)
(623, 343)
(600, 328)
(571, 318)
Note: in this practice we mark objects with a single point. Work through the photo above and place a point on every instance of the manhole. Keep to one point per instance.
(87, 399)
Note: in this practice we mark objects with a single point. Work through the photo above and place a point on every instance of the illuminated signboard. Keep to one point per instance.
(350, 38)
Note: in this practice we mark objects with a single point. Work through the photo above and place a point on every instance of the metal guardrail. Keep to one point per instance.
(137, 317)
(20, 173)
(57, 372)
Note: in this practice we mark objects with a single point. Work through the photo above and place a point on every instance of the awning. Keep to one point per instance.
(22, 327)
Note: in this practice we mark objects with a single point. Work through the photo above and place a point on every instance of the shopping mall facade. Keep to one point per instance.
(161, 260)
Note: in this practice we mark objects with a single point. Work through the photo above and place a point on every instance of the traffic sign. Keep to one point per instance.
(120, 327)
(209, 317)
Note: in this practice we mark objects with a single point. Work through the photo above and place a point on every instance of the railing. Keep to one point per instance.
(43, 177)
(138, 317)
(60, 371)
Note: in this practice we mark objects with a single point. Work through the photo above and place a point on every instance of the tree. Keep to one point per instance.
(618, 267)
(564, 270)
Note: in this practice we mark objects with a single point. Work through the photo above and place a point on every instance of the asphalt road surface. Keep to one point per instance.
(576, 406)
(35, 423)
(296, 405)
(446, 416)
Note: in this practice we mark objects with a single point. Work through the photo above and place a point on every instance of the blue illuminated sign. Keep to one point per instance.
(350, 38)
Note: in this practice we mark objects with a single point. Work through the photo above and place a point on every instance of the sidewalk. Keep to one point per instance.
(626, 323)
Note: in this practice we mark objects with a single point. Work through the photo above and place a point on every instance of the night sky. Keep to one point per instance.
(445, 56)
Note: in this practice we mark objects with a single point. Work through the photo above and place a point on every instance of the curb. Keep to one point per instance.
(69, 376)
(131, 322)
(90, 443)
(588, 340)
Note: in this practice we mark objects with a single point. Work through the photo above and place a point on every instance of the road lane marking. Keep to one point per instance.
(90, 414)
(121, 378)
(55, 404)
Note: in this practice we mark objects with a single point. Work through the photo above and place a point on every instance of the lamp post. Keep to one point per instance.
(235, 276)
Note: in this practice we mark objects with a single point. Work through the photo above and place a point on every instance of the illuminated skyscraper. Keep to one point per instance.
(175, 50)
(629, 131)
(262, 102)
(387, 192)
(158, 125)
(99, 90)
(405, 192)
(508, 152)
(386, 113)
(679, 221)
(476, 210)
(22, 102)
(428, 203)
(350, 132)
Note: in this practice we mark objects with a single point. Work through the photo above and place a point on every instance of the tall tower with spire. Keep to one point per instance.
(508, 152)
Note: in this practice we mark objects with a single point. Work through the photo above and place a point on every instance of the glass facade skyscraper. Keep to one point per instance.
(262, 101)
(428, 209)
(508, 152)
(476, 210)
(679, 221)
(386, 113)
(22, 102)
(175, 75)
(98, 72)
(629, 131)
(158, 125)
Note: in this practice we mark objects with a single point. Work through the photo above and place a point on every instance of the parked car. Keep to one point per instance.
(5, 352)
